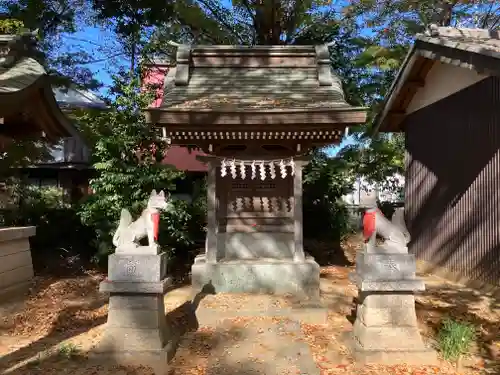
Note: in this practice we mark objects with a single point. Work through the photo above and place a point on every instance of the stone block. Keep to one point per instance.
(133, 249)
(387, 338)
(406, 285)
(413, 357)
(135, 323)
(259, 276)
(139, 319)
(137, 267)
(160, 287)
(136, 302)
(387, 316)
(121, 339)
(385, 266)
(256, 245)
(385, 300)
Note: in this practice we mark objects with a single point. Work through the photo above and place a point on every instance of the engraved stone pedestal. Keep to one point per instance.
(386, 330)
(136, 330)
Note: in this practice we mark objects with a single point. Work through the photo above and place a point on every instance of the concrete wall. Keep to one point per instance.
(442, 81)
(16, 268)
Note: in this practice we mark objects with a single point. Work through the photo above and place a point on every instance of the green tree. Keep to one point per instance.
(393, 26)
(54, 19)
(127, 155)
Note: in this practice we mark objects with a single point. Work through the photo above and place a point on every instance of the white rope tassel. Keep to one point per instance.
(233, 169)
(262, 171)
(272, 170)
(223, 170)
(243, 171)
(292, 166)
(282, 169)
(254, 172)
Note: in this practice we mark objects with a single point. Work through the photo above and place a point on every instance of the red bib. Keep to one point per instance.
(369, 224)
(155, 217)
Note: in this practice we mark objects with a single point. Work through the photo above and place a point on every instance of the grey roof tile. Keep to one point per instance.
(262, 88)
(228, 86)
(23, 74)
(482, 41)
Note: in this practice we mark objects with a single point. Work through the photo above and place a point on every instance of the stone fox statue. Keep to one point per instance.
(374, 222)
(130, 232)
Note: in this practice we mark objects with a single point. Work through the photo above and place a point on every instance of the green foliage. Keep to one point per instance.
(53, 249)
(326, 180)
(377, 159)
(455, 338)
(56, 21)
(68, 350)
(10, 26)
(21, 153)
(127, 155)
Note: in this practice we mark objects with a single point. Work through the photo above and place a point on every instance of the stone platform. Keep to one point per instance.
(386, 329)
(268, 276)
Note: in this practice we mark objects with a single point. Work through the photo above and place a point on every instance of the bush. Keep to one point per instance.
(326, 180)
(61, 243)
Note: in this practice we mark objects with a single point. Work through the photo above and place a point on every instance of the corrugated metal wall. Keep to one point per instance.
(452, 197)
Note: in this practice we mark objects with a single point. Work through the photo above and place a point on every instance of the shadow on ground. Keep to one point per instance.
(58, 333)
(192, 348)
(465, 305)
(327, 253)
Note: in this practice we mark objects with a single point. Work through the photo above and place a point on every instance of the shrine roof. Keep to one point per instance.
(252, 79)
(475, 49)
(22, 79)
(252, 88)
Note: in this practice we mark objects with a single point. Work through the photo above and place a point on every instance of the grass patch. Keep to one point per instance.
(455, 338)
(68, 350)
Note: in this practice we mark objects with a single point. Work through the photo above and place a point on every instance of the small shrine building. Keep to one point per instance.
(28, 109)
(256, 112)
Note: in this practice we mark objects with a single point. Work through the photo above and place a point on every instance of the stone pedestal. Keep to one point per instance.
(16, 271)
(136, 330)
(386, 330)
(269, 276)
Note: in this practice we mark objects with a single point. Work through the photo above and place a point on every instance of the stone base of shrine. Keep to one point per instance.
(264, 276)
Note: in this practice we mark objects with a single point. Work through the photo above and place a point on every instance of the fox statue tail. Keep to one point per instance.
(125, 221)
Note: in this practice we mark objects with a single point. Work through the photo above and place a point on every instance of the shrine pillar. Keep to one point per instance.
(299, 255)
(212, 224)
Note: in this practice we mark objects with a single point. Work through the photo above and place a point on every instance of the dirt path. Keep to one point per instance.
(51, 332)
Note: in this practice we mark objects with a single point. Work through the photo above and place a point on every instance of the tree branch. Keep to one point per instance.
(221, 20)
(102, 59)
(247, 6)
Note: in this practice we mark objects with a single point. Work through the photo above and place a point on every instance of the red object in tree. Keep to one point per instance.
(155, 217)
(369, 224)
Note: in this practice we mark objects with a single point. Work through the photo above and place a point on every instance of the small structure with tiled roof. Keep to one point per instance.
(446, 99)
(27, 108)
(27, 103)
(255, 112)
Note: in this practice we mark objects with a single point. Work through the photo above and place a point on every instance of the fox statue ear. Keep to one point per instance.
(153, 193)
(162, 194)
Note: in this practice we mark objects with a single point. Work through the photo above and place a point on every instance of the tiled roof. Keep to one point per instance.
(472, 45)
(18, 69)
(23, 74)
(238, 78)
(261, 88)
(482, 41)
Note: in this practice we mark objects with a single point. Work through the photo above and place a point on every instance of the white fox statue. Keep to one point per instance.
(129, 232)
